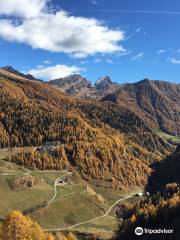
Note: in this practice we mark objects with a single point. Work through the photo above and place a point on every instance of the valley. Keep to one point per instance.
(74, 205)
(73, 164)
(89, 120)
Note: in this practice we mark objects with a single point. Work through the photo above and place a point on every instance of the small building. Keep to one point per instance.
(139, 194)
(61, 182)
(69, 173)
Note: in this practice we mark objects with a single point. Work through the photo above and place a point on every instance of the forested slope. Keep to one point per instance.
(101, 140)
(156, 102)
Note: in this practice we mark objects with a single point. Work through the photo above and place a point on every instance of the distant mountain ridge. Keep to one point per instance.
(12, 70)
(156, 102)
(76, 85)
(108, 146)
(71, 84)
(100, 140)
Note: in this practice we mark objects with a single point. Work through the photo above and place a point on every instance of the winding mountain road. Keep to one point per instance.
(55, 189)
(91, 220)
(55, 194)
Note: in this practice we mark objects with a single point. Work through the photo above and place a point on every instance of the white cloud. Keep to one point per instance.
(84, 62)
(53, 72)
(47, 62)
(174, 61)
(123, 53)
(23, 8)
(110, 61)
(94, 2)
(40, 66)
(138, 56)
(138, 29)
(97, 60)
(178, 51)
(57, 32)
(161, 51)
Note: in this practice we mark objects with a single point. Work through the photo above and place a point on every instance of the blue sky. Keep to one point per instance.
(127, 40)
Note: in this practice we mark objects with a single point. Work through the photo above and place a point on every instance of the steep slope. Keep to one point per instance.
(159, 210)
(103, 82)
(165, 172)
(156, 102)
(100, 140)
(76, 85)
(71, 84)
(12, 70)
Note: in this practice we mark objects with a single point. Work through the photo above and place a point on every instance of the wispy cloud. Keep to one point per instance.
(40, 66)
(123, 53)
(110, 61)
(137, 57)
(46, 62)
(174, 61)
(94, 2)
(97, 60)
(84, 62)
(138, 11)
(161, 51)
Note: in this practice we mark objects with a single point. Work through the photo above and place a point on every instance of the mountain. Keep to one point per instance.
(71, 84)
(165, 172)
(103, 82)
(103, 141)
(156, 102)
(161, 207)
(12, 70)
(76, 85)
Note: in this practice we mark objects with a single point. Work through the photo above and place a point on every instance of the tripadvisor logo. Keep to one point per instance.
(139, 231)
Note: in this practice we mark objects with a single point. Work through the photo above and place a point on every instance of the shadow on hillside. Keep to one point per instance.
(164, 172)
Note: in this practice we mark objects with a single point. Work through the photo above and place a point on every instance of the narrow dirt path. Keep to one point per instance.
(93, 219)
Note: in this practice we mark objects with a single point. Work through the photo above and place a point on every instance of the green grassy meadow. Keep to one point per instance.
(74, 203)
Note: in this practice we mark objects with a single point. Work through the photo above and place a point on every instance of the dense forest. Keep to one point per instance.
(101, 140)
(162, 208)
(164, 172)
(156, 102)
(98, 139)
(158, 211)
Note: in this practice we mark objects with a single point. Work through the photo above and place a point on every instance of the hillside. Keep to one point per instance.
(18, 226)
(156, 102)
(14, 71)
(159, 210)
(100, 140)
(160, 176)
(76, 85)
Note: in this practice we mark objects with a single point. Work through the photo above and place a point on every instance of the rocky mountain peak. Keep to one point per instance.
(71, 79)
(103, 82)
